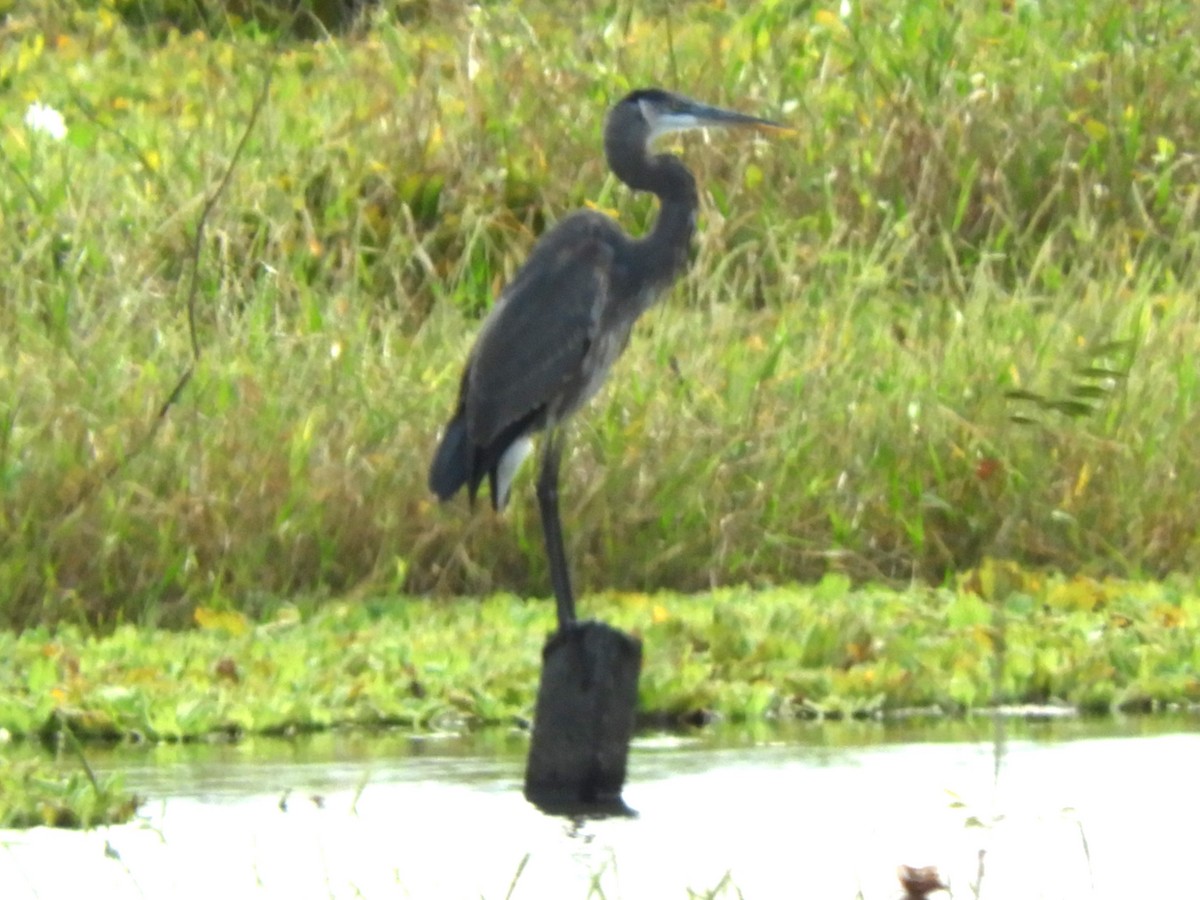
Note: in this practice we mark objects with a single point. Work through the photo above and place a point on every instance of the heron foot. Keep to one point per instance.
(566, 633)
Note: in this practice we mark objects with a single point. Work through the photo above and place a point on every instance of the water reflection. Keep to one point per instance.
(1057, 809)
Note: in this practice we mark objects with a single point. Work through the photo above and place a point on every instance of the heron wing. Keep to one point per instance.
(531, 350)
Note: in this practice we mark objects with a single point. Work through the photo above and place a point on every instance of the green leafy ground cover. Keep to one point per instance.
(738, 654)
(954, 315)
(61, 794)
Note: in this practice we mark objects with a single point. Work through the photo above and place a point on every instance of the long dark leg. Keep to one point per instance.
(547, 494)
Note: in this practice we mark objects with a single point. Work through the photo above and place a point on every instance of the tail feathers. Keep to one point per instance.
(453, 463)
(459, 462)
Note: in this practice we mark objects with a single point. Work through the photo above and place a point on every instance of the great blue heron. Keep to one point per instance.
(547, 345)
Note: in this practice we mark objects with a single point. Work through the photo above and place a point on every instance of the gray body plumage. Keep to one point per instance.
(549, 343)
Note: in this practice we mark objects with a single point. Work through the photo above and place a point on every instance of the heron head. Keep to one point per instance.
(650, 113)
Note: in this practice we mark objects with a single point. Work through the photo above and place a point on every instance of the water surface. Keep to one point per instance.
(1056, 809)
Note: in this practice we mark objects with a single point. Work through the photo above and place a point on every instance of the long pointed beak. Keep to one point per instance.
(714, 116)
(690, 115)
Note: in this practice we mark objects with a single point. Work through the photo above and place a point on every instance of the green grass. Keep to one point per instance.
(61, 793)
(953, 316)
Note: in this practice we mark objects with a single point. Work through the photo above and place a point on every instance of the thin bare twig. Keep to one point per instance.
(91, 485)
(210, 204)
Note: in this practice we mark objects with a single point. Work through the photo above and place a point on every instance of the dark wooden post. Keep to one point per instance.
(586, 707)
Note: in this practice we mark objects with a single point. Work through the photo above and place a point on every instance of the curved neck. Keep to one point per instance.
(661, 174)
(667, 177)
(671, 236)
